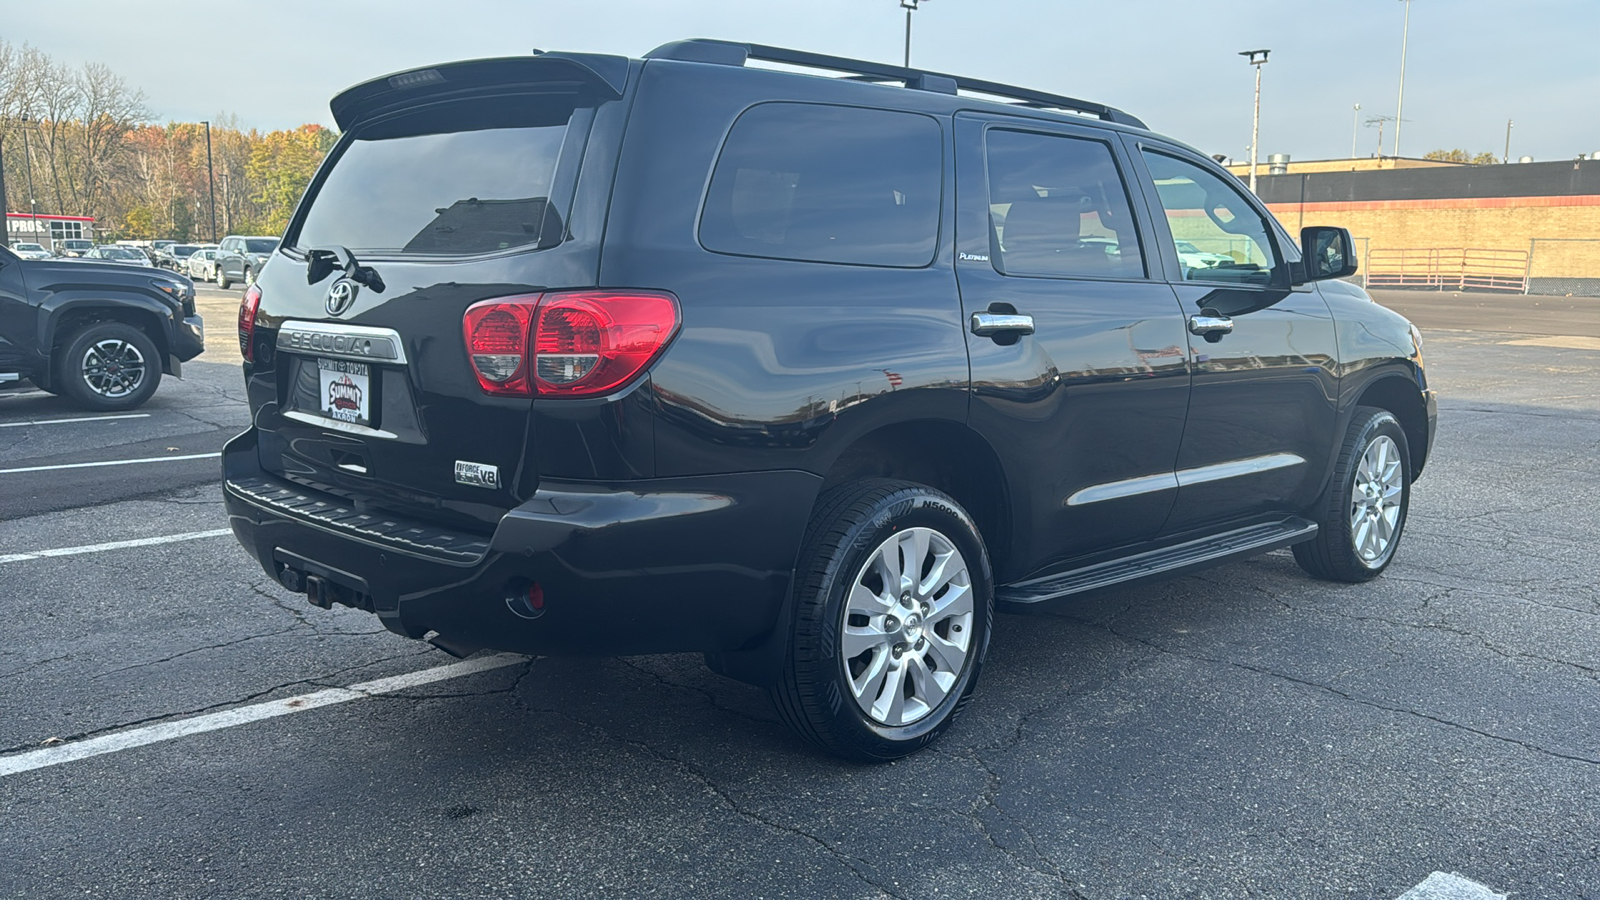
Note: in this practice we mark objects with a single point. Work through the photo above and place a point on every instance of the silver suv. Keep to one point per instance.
(240, 258)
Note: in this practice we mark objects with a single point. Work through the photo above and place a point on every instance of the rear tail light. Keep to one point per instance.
(577, 344)
(247, 322)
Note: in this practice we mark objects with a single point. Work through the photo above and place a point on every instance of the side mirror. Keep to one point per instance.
(1329, 253)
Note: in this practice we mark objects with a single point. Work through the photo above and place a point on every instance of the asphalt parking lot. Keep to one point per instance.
(1244, 732)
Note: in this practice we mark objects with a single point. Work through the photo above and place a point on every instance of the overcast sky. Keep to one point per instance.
(1473, 64)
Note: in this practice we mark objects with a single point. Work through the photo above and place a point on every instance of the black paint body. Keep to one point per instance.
(667, 517)
(42, 300)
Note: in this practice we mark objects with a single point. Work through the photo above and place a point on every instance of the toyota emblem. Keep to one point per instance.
(341, 296)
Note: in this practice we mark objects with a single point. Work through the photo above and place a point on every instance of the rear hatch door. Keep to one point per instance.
(433, 200)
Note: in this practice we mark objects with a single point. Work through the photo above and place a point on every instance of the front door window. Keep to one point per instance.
(1219, 237)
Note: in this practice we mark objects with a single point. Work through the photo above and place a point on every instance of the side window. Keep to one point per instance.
(1219, 236)
(1058, 206)
(828, 184)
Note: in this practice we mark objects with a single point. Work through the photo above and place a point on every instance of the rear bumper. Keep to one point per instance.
(664, 565)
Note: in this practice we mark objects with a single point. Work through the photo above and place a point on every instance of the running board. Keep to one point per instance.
(1254, 539)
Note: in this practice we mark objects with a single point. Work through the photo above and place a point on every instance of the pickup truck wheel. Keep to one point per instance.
(892, 612)
(222, 280)
(1365, 511)
(109, 366)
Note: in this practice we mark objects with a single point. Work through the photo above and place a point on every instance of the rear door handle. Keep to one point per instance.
(1210, 326)
(985, 324)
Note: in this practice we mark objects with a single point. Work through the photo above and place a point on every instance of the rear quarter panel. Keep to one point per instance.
(779, 364)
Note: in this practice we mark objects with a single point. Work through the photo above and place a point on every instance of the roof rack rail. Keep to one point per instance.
(729, 53)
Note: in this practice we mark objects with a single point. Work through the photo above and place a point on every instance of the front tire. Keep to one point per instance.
(222, 280)
(109, 366)
(249, 277)
(894, 601)
(1365, 511)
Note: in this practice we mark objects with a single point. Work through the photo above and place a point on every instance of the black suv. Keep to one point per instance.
(100, 333)
(580, 354)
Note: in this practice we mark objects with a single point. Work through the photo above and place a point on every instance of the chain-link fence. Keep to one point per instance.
(1564, 267)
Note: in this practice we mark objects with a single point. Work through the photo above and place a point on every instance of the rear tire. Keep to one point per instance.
(109, 366)
(894, 600)
(1364, 513)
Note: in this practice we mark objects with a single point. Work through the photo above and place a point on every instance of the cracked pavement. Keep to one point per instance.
(1241, 732)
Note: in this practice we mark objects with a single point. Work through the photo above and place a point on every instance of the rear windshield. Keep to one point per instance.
(467, 178)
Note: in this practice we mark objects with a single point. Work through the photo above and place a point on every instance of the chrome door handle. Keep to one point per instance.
(986, 324)
(1209, 325)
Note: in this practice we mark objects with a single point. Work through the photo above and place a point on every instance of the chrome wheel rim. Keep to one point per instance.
(907, 627)
(1375, 503)
(249, 278)
(113, 369)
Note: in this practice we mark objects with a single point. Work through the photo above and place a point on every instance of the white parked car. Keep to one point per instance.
(30, 251)
(201, 264)
(1193, 257)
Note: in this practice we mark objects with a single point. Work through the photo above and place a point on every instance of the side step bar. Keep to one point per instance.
(1240, 542)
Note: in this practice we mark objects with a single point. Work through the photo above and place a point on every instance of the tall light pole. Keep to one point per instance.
(1355, 130)
(1400, 105)
(27, 159)
(5, 203)
(1257, 58)
(211, 182)
(1507, 157)
(910, 6)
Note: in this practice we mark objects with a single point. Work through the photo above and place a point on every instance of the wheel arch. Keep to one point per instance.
(68, 318)
(942, 454)
(1400, 395)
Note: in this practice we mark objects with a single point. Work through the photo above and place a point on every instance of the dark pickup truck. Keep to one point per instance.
(100, 334)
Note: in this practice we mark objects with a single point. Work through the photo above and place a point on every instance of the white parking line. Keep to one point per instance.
(113, 545)
(243, 715)
(1441, 886)
(70, 421)
(112, 462)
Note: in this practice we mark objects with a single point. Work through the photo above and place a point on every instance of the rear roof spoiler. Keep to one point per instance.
(605, 76)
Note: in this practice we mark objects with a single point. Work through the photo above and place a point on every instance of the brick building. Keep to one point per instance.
(1528, 226)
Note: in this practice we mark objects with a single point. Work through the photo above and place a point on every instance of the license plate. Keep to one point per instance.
(346, 391)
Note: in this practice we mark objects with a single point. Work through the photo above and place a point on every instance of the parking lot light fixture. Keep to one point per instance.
(1257, 58)
(1355, 131)
(910, 6)
(1400, 105)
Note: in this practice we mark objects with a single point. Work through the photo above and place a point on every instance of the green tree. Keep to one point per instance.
(280, 168)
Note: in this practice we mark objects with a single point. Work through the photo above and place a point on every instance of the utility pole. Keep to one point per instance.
(1355, 130)
(910, 6)
(211, 183)
(1400, 106)
(1257, 58)
(1507, 158)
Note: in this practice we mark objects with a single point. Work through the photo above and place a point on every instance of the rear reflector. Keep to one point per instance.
(248, 307)
(574, 344)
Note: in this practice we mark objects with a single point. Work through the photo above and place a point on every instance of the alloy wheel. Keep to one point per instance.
(907, 629)
(1375, 504)
(113, 368)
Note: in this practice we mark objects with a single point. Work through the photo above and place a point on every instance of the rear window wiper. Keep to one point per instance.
(321, 262)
